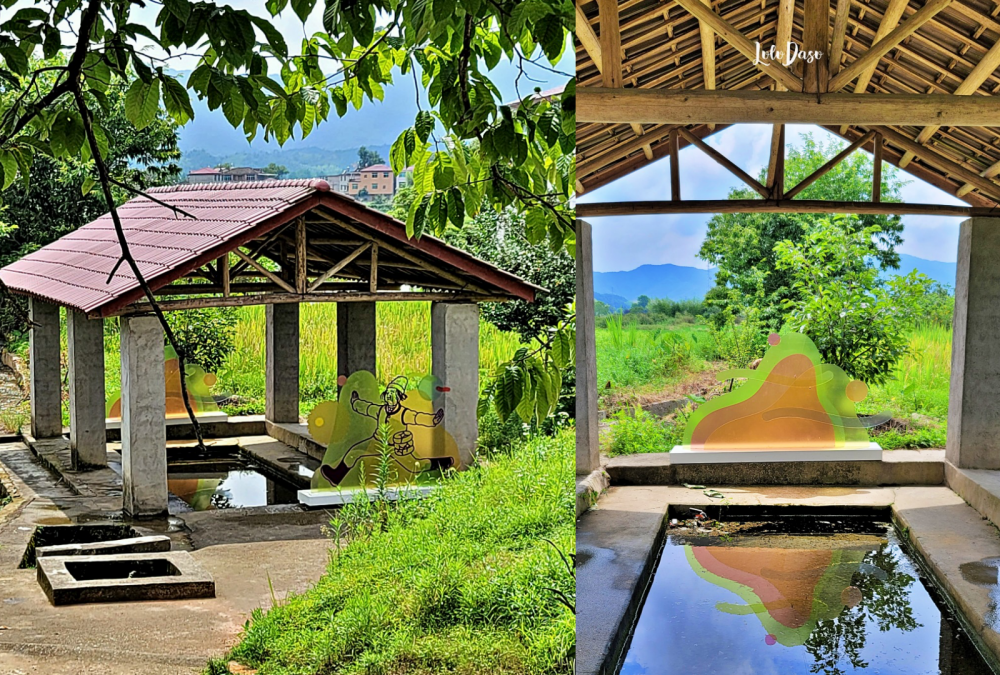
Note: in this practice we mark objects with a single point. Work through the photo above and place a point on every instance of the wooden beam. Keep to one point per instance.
(783, 31)
(285, 298)
(987, 173)
(341, 264)
(588, 38)
(373, 274)
(721, 159)
(672, 106)
(839, 34)
(611, 43)
(734, 37)
(776, 162)
(605, 209)
(932, 158)
(893, 13)
(707, 50)
(648, 151)
(263, 270)
(877, 172)
(675, 167)
(834, 161)
(301, 262)
(867, 62)
(223, 266)
(970, 85)
(816, 39)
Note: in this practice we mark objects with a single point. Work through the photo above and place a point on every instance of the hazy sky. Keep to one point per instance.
(624, 243)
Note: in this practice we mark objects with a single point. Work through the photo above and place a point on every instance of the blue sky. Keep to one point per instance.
(624, 243)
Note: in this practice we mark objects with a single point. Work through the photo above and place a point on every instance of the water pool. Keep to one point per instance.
(773, 603)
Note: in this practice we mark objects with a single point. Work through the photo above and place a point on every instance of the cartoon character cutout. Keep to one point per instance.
(421, 449)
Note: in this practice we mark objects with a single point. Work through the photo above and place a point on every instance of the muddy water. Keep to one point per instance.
(791, 604)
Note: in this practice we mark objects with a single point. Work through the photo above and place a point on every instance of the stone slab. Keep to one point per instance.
(296, 436)
(589, 489)
(685, 454)
(979, 487)
(913, 468)
(616, 544)
(55, 576)
(156, 543)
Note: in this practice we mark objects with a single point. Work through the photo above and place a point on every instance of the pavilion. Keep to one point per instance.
(911, 82)
(274, 243)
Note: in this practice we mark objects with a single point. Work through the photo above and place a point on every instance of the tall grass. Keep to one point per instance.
(630, 356)
(466, 581)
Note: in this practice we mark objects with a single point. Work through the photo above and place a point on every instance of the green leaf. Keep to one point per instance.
(17, 60)
(233, 107)
(179, 8)
(142, 103)
(96, 72)
(303, 8)
(176, 100)
(424, 125)
(67, 134)
(272, 35)
(9, 164)
(88, 185)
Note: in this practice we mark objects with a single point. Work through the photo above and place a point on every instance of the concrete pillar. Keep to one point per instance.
(588, 452)
(973, 409)
(281, 393)
(144, 411)
(356, 338)
(455, 362)
(87, 433)
(46, 383)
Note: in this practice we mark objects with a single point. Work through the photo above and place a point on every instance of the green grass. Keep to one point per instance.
(637, 359)
(457, 583)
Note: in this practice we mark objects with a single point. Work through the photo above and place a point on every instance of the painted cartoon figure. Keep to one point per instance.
(420, 447)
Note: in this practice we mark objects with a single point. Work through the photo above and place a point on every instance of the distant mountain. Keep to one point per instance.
(941, 272)
(301, 162)
(613, 301)
(656, 281)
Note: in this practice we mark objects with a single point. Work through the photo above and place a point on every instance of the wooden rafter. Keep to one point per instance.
(723, 161)
(339, 265)
(667, 106)
(869, 60)
(585, 34)
(611, 43)
(834, 161)
(893, 13)
(734, 37)
(604, 209)
(816, 40)
(263, 270)
(707, 50)
(843, 12)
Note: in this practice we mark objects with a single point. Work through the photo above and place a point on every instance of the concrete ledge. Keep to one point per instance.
(314, 499)
(178, 429)
(183, 578)
(979, 487)
(54, 455)
(152, 544)
(295, 435)
(589, 489)
(897, 467)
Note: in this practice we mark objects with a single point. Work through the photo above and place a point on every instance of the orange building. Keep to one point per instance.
(365, 184)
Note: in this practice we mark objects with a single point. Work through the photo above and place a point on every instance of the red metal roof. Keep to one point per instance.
(166, 244)
(206, 170)
(377, 167)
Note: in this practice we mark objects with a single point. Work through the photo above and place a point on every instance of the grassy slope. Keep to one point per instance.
(457, 583)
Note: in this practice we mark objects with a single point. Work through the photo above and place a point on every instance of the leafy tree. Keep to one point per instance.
(224, 166)
(641, 303)
(497, 239)
(857, 319)
(58, 199)
(601, 308)
(367, 158)
(277, 170)
(741, 245)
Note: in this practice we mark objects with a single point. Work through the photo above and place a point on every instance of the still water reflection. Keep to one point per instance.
(788, 604)
(219, 484)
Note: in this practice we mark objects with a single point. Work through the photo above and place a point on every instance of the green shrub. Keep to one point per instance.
(641, 432)
(739, 344)
(207, 336)
(460, 582)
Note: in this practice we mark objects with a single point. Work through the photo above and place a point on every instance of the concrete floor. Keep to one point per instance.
(618, 541)
(283, 549)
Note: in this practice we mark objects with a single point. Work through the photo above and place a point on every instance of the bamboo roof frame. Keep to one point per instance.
(949, 48)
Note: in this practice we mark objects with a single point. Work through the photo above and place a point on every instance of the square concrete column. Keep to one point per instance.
(87, 431)
(144, 412)
(455, 362)
(46, 384)
(281, 392)
(588, 452)
(974, 402)
(356, 336)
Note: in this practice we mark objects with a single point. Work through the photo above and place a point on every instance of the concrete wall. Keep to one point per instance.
(588, 453)
(356, 335)
(144, 410)
(281, 396)
(46, 384)
(455, 362)
(973, 410)
(87, 434)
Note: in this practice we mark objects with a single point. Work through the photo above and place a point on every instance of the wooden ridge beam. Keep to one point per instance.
(604, 209)
(723, 161)
(733, 36)
(834, 161)
(670, 106)
(867, 62)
